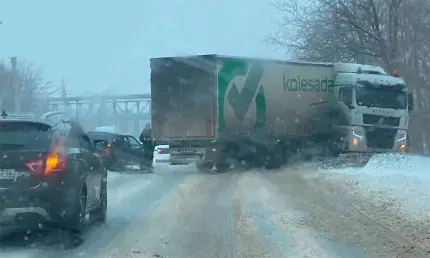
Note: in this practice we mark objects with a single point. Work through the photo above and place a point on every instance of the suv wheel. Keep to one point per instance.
(78, 218)
(75, 224)
(101, 213)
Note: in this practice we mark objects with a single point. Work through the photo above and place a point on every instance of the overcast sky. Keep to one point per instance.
(103, 46)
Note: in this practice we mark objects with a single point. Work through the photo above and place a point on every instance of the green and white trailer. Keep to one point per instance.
(226, 110)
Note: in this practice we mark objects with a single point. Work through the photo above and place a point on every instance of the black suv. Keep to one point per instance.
(121, 150)
(49, 173)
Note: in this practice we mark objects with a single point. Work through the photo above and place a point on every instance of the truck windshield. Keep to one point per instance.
(377, 97)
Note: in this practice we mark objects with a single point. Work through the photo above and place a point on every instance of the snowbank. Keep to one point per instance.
(401, 182)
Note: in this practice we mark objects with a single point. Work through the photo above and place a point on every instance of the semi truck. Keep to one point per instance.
(224, 110)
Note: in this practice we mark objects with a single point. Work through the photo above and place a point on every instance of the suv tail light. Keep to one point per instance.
(53, 162)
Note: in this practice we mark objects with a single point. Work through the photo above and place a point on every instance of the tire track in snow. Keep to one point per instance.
(345, 229)
(285, 226)
(123, 213)
(194, 220)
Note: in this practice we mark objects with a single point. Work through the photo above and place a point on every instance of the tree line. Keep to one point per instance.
(394, 34)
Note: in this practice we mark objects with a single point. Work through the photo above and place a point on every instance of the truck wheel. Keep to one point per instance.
(205, 165)
(275, 159)
(223, 161)
(222, 167)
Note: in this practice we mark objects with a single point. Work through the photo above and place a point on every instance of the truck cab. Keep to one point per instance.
(373, 109)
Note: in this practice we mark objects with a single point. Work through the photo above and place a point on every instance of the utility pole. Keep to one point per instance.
(15, 85)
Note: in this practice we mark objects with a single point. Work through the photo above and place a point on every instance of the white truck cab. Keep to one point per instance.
(375, 107)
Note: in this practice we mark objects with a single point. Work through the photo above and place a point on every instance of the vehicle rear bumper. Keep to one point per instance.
(33, 207)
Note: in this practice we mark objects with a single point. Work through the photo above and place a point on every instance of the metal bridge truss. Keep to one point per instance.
(128, 112)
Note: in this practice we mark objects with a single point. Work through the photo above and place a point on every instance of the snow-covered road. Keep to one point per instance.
(293, 212)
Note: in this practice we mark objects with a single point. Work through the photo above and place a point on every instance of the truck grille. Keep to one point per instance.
(381, 120)
(380, 137)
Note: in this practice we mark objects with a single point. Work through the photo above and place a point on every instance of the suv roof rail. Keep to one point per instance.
(18, 116)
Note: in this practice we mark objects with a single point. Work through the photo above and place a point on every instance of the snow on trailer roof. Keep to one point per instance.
(248, 58)
(344, 67)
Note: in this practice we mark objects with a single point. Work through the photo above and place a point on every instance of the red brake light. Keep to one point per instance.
(53, 162)
(36, 166)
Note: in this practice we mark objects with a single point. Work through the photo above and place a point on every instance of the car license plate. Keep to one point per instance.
(186, 158)
(7, 174)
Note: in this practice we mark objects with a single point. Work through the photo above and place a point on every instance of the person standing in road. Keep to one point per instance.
(148, 146)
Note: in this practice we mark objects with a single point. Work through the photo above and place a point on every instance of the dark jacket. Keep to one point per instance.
(145, 136)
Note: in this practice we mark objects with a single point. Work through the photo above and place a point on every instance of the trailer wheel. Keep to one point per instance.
(276, 158)
(333, 149)
(204, 166)
(222, 167)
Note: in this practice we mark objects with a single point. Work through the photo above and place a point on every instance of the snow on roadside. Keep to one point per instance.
(401, 183)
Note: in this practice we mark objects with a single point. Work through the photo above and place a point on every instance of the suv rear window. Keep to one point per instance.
(19, 134)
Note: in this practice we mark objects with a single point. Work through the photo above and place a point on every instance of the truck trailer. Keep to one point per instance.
(226, 110)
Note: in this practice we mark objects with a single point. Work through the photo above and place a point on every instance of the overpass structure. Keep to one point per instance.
(128, 112)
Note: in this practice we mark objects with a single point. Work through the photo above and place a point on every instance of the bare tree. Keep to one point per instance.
(33, 86)
(31, 83)
(391, 33)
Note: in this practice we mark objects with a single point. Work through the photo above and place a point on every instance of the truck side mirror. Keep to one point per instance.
(410, 102)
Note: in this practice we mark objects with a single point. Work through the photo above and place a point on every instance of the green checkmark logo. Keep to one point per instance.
(241, 100)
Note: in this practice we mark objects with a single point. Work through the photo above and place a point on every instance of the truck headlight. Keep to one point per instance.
(402, 137)
(358, 134)
(357, 137)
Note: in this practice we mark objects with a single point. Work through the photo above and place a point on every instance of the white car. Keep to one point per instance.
(161, 154)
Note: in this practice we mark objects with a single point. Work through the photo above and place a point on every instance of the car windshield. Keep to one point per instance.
(379, 97)
(18, 135)
(217, 128)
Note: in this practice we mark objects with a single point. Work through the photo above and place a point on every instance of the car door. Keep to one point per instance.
(83, 152)
(135, 147)
(95, 171)
(76, 158)
(127, 146)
